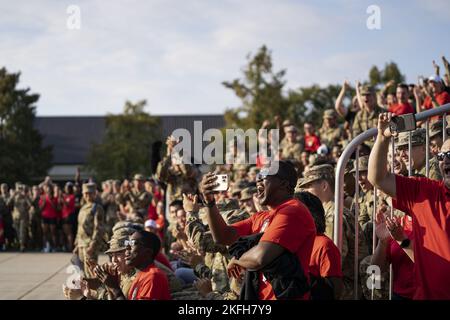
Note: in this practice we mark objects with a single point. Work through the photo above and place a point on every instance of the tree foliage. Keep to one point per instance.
(22, 155)
(127, 144)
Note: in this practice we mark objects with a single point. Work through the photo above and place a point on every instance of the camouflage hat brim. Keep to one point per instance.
(305, 181)
(114, 250)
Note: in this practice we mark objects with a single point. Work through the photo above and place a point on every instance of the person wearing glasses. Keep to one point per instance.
(428, 203)
(287, 225)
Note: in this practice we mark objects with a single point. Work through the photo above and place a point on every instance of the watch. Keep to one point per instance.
(405, 243)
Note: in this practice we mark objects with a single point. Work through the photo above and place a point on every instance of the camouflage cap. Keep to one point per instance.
(116, 245)
(89, 187)
(363, 164)
(139, 177)
(330, 113)
(247, 193)
(417, 138)
(315, 173)
(126, 225)
(367, 90)
(286, 123)
(435, 128)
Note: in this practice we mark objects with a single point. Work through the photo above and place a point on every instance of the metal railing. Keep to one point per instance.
(339, 182)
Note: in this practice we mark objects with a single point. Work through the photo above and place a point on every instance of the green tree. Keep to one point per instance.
(392, 72)
(261, 92)
(23, 157)
(374, 76)
(126, 146)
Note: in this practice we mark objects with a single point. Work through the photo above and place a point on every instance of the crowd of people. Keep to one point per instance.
(270, 234)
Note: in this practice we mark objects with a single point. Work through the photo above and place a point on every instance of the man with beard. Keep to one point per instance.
(150, 283)
(428, 202)
(287, 225)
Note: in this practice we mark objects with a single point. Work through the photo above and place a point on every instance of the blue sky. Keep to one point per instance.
(175, 54)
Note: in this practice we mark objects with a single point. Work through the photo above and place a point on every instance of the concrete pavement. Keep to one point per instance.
(34, 276)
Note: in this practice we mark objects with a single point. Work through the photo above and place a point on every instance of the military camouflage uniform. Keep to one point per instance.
(21, 219)
(177, 181)
(330, 136)
(90, 233)
(365, 120)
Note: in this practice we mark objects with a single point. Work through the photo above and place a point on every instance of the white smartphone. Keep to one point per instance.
(222, 180)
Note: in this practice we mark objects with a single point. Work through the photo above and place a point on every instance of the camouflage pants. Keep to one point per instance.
(84, 258)
(21, 227)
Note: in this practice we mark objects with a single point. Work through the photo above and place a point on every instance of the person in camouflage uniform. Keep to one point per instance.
(179, 178)
(319, 180)
(90, 233)
(366, 201)
(111, 206)
(418, 154)
(138, 197)
(436, 138)
(35, 229)
(367, 117)
(330, 133)
(290, 147)
(216, 257)
(21, 204)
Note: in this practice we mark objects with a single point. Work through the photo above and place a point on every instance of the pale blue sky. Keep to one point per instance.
(175, 54)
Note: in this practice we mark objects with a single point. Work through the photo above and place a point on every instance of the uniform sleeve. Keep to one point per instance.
(286, 230)
(97, 235)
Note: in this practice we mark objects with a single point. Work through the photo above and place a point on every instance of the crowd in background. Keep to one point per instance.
(89, 218)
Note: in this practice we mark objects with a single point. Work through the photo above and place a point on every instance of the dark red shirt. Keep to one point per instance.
(325, 258)
(312, 143)
(401, 108)
(69, 205)
(428, 203)
(289, 225)
(150, 284)
(49, 211)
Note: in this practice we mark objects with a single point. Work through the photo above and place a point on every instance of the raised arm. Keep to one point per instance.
(338, 106)
(378, 173)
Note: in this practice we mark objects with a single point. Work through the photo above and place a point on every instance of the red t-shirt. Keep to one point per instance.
(428, 202)
(325, 258)
(401, 108)
(69, 205)
(312, 143)
(49, 211)
(289, 225)
(150, 284)
(441, 98)
(402, 265)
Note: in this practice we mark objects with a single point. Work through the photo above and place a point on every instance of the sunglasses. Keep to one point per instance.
(442, 155)
(131, 242)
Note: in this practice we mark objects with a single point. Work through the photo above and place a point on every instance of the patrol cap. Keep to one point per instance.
(247, 193)
(89, 187)
(330, 113)
(316, 173)
(367, 90)
(117, 243)
(286, 123)
(291, 129)
(139, 177)
(417, 138)
(363, 164)
(436, 129)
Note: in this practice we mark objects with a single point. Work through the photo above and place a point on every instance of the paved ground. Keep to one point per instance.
(33, 276)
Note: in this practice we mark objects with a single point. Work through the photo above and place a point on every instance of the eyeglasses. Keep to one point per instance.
(442, 155)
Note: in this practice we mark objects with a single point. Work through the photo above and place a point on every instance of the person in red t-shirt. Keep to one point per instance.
(402, 106)
(288, 225)
(435, 97)
(312, 141)
(428, 203)
(395, 247)
(150, 283)
(48, 206)
(325, 264)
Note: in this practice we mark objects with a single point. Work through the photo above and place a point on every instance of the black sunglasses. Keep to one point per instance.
(441, 155)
